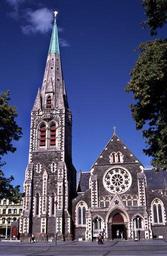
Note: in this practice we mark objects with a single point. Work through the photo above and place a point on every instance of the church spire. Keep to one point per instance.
(54, 42)
(53, 83)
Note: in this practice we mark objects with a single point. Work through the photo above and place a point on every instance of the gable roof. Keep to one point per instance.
(116, 145)
(83, 184)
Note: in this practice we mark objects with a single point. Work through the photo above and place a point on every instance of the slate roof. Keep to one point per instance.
(83, 181)
(156, 180)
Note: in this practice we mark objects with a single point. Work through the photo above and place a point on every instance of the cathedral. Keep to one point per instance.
(117, 197)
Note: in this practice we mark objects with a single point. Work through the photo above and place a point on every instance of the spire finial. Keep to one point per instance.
(114, 130)
(54, 42)
(55, 13)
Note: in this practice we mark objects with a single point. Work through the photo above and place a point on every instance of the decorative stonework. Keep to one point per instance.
(117, 180)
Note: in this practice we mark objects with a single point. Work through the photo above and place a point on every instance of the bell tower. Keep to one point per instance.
(50, 177)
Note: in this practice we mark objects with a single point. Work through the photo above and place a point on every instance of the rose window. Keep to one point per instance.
(117, 180)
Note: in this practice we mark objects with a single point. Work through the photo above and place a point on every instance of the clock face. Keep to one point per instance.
(117, 180)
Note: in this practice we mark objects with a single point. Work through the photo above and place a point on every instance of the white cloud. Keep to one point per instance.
(38, 21)
(64, 43)
(14, 3)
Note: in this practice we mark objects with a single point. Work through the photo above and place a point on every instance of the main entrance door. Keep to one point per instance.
(116, 227)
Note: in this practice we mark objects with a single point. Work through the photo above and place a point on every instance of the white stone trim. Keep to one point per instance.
(80, 204)
(156, 202)
(111, 174)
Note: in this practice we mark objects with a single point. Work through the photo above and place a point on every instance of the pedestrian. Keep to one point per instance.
(100, 239)
(33, 238)
(103, 234)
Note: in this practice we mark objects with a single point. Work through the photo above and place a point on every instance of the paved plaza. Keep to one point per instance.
(109, 248)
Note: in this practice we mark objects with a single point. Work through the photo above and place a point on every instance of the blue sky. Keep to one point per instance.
(98, 41)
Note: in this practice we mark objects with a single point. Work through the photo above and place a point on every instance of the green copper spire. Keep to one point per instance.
(54, 42)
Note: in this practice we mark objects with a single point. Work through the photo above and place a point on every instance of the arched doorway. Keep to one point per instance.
(116, 226)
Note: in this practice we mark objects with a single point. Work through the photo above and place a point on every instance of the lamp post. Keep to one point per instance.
(56, 203)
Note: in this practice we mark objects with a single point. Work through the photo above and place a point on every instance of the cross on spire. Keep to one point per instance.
(114, 130)
(55, 13)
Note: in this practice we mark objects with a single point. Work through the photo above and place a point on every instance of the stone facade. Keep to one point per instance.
(117, 197)
(50, 178)
(9, 218)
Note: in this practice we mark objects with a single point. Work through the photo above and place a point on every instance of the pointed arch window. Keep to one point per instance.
(81, 213)
(113, 157)
(79, 216)
(160, 213)
(37, 204)
(53, 167)
(84, 215)
(53, 204)
(116, 157)
(137, 222)
(52, 134)
(42, 136)
(157, 211)
(97, 223)
(48, 102)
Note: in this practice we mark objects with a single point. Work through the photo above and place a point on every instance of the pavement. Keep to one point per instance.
(75, 248)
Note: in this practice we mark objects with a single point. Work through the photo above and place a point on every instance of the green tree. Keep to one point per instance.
(149, 86)
(156, 12)
(9, 131)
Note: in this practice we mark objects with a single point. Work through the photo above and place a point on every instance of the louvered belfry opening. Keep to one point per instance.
(48, 102)
(53, 134)
(42, 139)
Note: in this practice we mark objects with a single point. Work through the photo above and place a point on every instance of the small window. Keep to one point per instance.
(116, 157)
(37, 204)
(38, 168)
(97, 223)
(134, 202)
(129, 203)
(53, 205)
(49, 101)
(53, 167)
(137, 222)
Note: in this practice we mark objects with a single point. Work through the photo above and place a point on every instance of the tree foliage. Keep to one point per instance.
(7, 190)
(9, 131)
(149, 86)
(156, 12)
